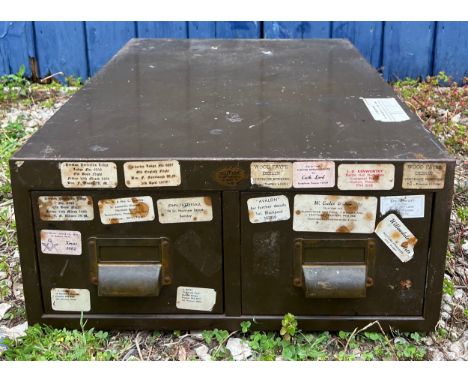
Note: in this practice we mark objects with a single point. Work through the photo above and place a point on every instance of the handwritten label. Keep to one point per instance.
(366, 176)
(60, 242)
(397, 237)
(316, 174)
(185, 210)
(408, 206)
(158, 173)
(385, 109)
(424, 175)
(268, 209)
(126, 210)
(333, 213)
(88, 174)
(271, 174)
(70, 300)
(191, 298)
(65, 208)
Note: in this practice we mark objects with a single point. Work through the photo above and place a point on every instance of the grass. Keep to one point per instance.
(41, 342)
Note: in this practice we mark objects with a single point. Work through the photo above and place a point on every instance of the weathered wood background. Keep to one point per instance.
(398, 49)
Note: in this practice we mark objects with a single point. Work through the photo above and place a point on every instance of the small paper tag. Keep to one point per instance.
(424, 175)
(366, 176)
(65, 208)
(408, 206)
(70, 300)
(60, 242)
(88, 174)
(334, 213)
(268, 209)
(397, 237)
(271, 174)
(185, 210)
(158, 173)
(314, 174)
(385, 109)
(191, 298)
(126, 210)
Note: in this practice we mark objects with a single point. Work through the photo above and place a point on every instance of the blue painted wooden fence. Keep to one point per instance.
(398, 49)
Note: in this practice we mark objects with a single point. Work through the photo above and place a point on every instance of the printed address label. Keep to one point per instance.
(158, 173)
(334, 213)
(397, 237)
(407, 206)
(366, 176)
(385, 109)
(314, 174)
(271, 174)
(88, 174)
(268, 209)
(60, 242)
(126, 210)
(65, 208)
(424, 175)
(185, 210)
(70, 300)
(192, 298)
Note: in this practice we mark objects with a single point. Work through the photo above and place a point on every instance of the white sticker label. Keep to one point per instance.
(424, 175)
(333, 213)
(317, 174)
(397, 237)
(408, 206)
(268, 209)
(185, 210)
(385, 109)
(126, 210)
(65, 208)
(191, 298)
(271, 174)
(88, 174)
(366, 176)
(70, 300)
(158, 173)
(60, 242)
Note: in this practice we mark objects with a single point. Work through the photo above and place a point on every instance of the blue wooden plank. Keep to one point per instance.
(61, 47)
(162, 29)
(408, 49)
(451, 49)
(201, 29)
(297, 29)
(365, 35)
(237, 29)
(16, 46)
(104, 39)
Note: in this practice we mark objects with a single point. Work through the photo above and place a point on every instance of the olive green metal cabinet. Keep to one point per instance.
(202, 183)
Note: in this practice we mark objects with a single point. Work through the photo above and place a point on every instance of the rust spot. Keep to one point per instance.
(89, 202)
(322, 166)
(351, 206)
(395, 235)
(332, 197)
(194, 218)
(251, 214)
(324, 215)
(44, 209)
(207, 200)
(342, 229)
(369, 216)
(376, 178)
(114, 221)
(419, 156)
(229, 176)
(297, 212)
(406, 284)
(43, 235)
(71, 292)
(130, 166)
(127, 182)
(410, 242)
(140, 210)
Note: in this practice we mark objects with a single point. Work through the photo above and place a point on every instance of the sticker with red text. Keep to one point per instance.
(314, 174)
(366, 176)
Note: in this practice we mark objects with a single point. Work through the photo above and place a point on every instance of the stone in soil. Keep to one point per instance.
(239, 349)
(202, 353)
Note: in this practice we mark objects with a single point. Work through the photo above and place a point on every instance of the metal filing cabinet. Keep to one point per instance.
(199, 184)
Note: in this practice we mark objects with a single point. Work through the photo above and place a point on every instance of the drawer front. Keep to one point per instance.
(138, 252)
(289, 265)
